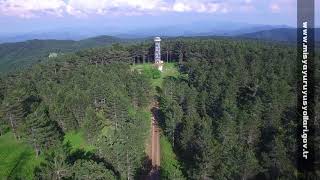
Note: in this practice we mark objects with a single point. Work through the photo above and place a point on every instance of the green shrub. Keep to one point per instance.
(156, 74)
(151, 72)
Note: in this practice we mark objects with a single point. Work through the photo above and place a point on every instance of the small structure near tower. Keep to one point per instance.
(157, 54)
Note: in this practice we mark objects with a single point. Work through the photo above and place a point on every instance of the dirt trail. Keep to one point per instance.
(155, 144)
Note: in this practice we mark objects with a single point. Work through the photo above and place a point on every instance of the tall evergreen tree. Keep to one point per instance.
(42, 132)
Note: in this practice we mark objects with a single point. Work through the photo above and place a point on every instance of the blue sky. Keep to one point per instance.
(42, 15)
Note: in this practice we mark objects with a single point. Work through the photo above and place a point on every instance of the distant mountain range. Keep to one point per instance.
(280, 34)
(199, 28)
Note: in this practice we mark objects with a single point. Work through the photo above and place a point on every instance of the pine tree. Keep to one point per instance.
(14, 114)
(56, 165)
(173, 117)
(42, 132)
(92, 125)
(91, 170)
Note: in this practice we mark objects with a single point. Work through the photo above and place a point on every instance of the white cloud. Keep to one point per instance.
(181, 7)
(274, 7)
(200, 6)
(214, 7)
(26, 8)
(288, 6)
(74, 12)
(104, 6)
(84, 8)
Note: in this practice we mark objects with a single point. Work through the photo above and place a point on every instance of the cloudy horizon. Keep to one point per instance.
(33, 15)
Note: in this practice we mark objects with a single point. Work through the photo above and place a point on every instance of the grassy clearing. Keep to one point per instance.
(170, 166)
(17, 158)
(170, 69)
(77, 141)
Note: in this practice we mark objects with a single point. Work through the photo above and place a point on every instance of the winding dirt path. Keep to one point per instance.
(155, 144)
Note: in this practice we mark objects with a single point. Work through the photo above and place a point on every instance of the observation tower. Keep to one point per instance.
(157, 54)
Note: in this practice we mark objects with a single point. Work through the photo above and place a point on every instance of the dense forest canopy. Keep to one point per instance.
(234, 117)
(107, 102)
(230, 114)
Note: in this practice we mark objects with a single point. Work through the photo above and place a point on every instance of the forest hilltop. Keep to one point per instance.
(226, 111)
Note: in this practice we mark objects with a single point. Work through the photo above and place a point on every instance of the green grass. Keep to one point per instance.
(17, 158)
(170, 69)
(169, 166)
(77, 141)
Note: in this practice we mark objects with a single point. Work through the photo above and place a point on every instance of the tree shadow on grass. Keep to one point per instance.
(23, 158)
